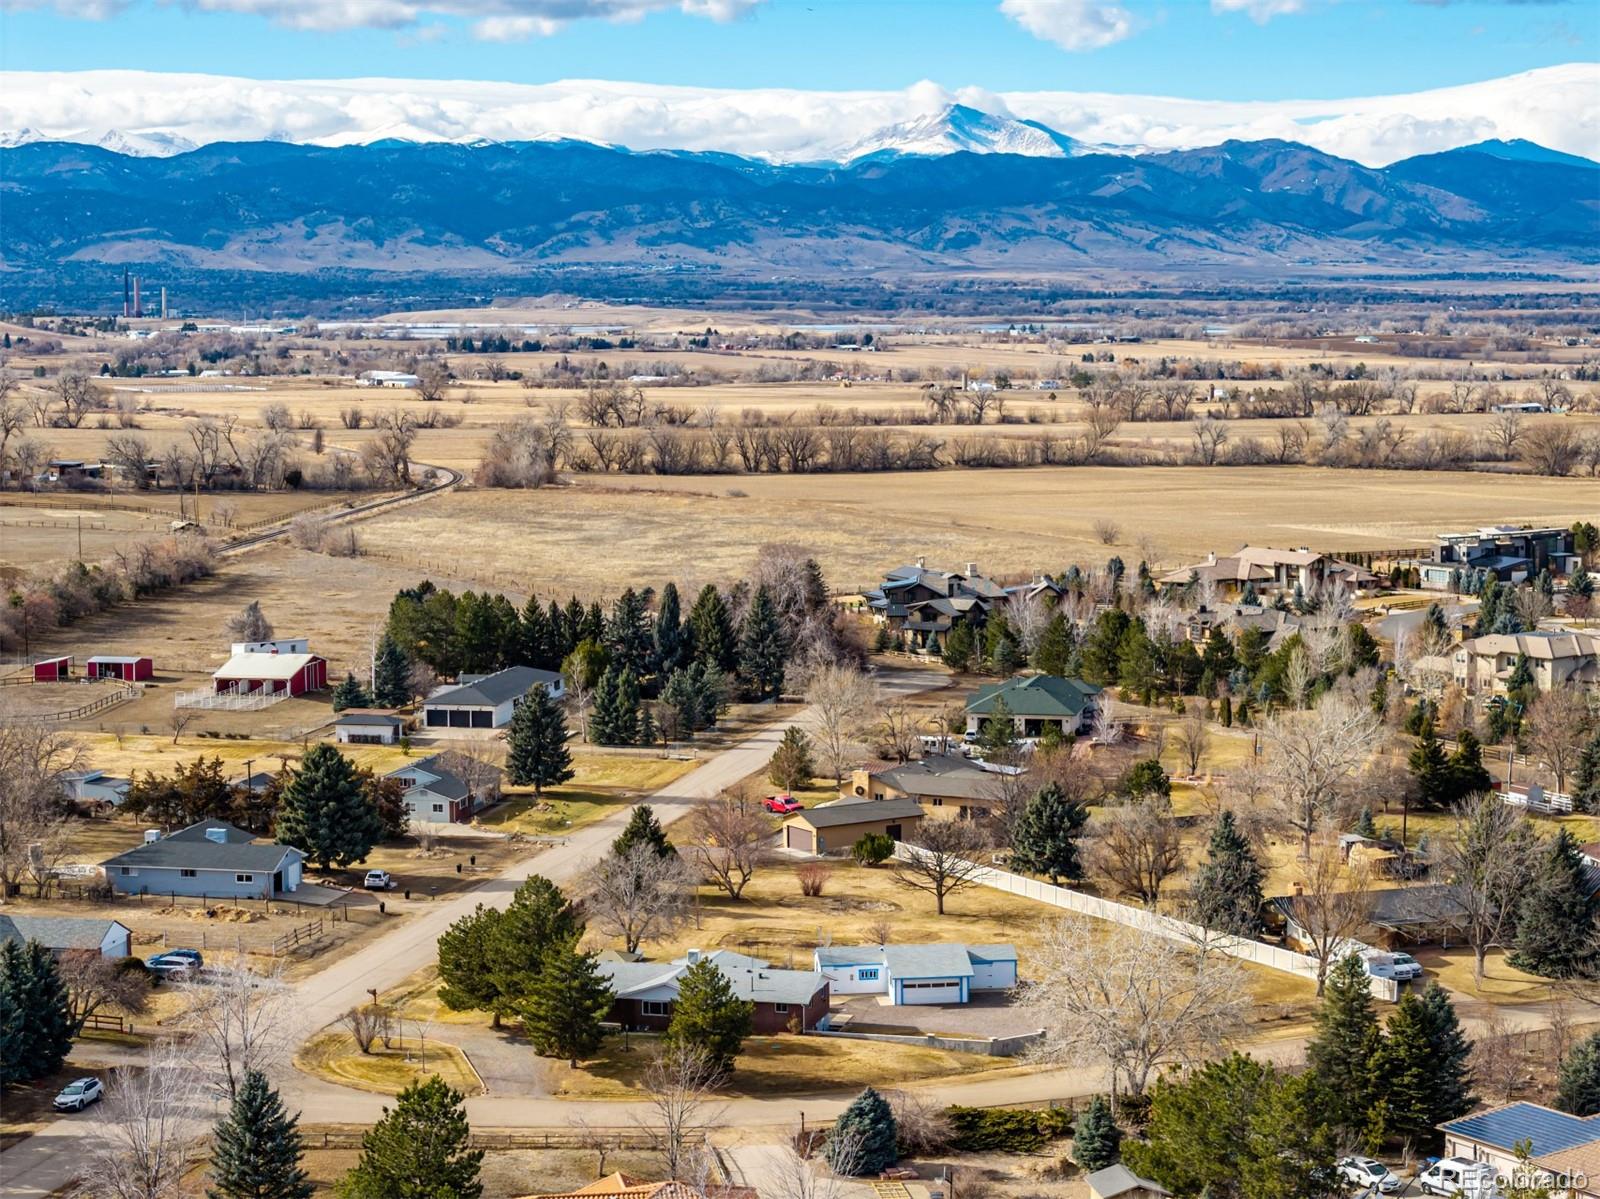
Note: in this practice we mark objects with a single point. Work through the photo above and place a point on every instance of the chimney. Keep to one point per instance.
(692, 956)
(1211, 557)
(152, 835)
(972, 570)
(217, 835)
(922, 562)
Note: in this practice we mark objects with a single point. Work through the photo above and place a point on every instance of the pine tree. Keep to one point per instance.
(763, 646)
(643, 829)
(1402, 1069)
(256, 1148)
(1586, 777)
(488, 961)
(536, 742)
(1057, 648)
(864, 1140)
(959, 646)
(391, 674)
(1225, 711)
(674, 640)
(1341, 1051)
(1578, 1084)
(629, 636)
(615, 718)
(1227, 888)
(536, 639)
(1137, 667)
(1096, 1139)
(1045, 840)
(350, 694)
(1430, 768)
(468, 952)
(418, 1150)
(1555, 916)
(999, 731)
(565, 1005)
(1467, 773)
(35, 1019)
(1364, 824)
(708, 1017)
(326, 813)
(712, 626)
(792, 765)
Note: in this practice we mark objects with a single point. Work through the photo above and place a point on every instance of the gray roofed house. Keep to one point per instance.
(95, 786)
(645, 991)
(924, 604)
(1119, 1182)
(436, 792)
(1405, 915)
(944, 784)
(210, 859)
(367, 726)
(940, 972)
(487, 701)
(68, 934)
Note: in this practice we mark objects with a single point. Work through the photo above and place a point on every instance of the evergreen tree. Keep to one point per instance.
(712, 629)
(763, 646)
(959, 646)
(1218, 657)
(674, 640)
(468, 952)
(1555, 916)
(326, 813)
(391, 674)
(536, 742)
(1000, 645)
(615, 719)
(593, 626)
(35, 1018)
(565, 1005)
(999, 731)
(1225, 711)
(1578, 1084)
(1145, 778)
(1341, 1051)
(1581, 583)
(490, 960)
(792, 765)
(418, 1150)
(1430, 769)
(1467, 772)
(256, 1148)
(1586, 777)
(629, 636)
(1057, 648)
(864, 1140)
(1045, 840)
(708, 1017)
(1420, 1068)
(350, 694)
(1365, 827)
(536, 639)
(1136, 658)
(1096, 1139)
(563, 632)
(1227, 888)
(643, 829)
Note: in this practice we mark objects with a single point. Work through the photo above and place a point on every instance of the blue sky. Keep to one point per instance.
(1326, 49)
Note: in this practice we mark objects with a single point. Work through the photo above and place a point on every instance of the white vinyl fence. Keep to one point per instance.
(229, 700)
(1271, 956)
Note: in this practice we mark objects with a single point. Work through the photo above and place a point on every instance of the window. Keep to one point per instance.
(654, 1007)
(781, 1008)
(867, 974)
(244, 878)
(127, 870)
(188, 874)
(438, 807)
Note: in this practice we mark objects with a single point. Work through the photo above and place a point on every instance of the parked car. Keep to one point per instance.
(1368, 1172)
(784, 804)
(378, 880)
(167, 966)
(188, 955)
(79, 1094)
(1458, 1176)
(1401, 967)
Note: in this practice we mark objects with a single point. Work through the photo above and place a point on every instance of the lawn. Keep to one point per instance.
(1503, 983)
(782, 1065)
(603, 783)
(388, 1071)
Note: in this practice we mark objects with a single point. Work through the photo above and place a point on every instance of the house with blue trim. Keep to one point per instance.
(918, 974)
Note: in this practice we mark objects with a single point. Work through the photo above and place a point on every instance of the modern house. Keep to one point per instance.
(53, 670)
(945, 785)
(918, 974)
(436, 792)
(271, 671)
(646, 991)
(129, 668)
(486, 701)
(923, 605)
(1483, 665)
(834, 828)
(1271, 571)
(211, 859)
(1509, 553)
(363, 726)
(1565, 1146)
(1038, 702)
(68, 934)
(95, 786)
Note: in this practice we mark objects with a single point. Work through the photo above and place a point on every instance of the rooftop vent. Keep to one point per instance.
(218, 835)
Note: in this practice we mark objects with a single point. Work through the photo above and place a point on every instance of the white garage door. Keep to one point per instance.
(993, 976)
(930, 991)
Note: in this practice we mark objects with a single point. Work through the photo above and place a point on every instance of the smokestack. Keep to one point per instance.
(127, 307)
(138, 307)
(163, 303)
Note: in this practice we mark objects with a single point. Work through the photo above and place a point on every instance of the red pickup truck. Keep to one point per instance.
(784, 804)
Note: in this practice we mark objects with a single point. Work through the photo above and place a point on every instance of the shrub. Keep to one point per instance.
(1007, 1129)
(812, 877)
(873, 849)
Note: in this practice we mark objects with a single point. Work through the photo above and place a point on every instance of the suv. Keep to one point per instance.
(1458, 1176)
(170, 965)
(1369, 1172)
(378, 880)
(79, 1094)
(783, 804)
(1401, 967)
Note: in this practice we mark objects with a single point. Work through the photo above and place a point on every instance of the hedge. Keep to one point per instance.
(1007, 1129)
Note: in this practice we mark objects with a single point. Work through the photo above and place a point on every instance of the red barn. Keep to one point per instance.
(128, 668)
(53, 670)
(294, 674)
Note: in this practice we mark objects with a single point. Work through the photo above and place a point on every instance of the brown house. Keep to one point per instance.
(835, 827)
(946, 786)
(646, 991)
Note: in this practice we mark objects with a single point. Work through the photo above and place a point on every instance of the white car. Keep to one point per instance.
(1368, 1172)
(378, 880)
(1458, 1176)
(79, 1094)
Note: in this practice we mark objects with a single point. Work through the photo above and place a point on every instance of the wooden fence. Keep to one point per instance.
(128, 691)
(300, 936)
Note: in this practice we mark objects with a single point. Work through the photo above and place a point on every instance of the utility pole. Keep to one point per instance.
(80, 539)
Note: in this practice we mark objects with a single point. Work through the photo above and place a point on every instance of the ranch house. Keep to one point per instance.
(918, 974)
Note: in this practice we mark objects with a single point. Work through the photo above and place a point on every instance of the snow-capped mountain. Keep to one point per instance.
(957, 128)
(150, 144)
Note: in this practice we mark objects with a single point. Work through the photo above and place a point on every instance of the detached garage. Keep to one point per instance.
(487, 701)
(129, 669)
(834, 828)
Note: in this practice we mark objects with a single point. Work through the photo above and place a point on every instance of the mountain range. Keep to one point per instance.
(966, 191)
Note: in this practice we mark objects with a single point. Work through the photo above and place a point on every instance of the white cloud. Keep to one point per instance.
(1259, 11)
(1547, 106)
(1073, 24)
(495, 20)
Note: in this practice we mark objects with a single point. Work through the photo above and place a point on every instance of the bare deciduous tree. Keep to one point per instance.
(249, 624)
(898, 734)
(944, 857)
(238, 1020)
(1192, 737)
(95, 982)
(679, 1087)
(1137, 847)
(1556, 727)
(1332, 905)
(152, 1130)
(1131, 1001)
(1487, 858)
(638, 896)
(840, 703)
(34, 816)
(731, 840)
(1310, 758)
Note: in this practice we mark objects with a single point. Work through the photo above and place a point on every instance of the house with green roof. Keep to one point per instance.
(1037, 702)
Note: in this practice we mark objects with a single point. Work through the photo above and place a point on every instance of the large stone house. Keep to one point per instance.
(1482, 665)
(1270, 571)
(923, 605)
